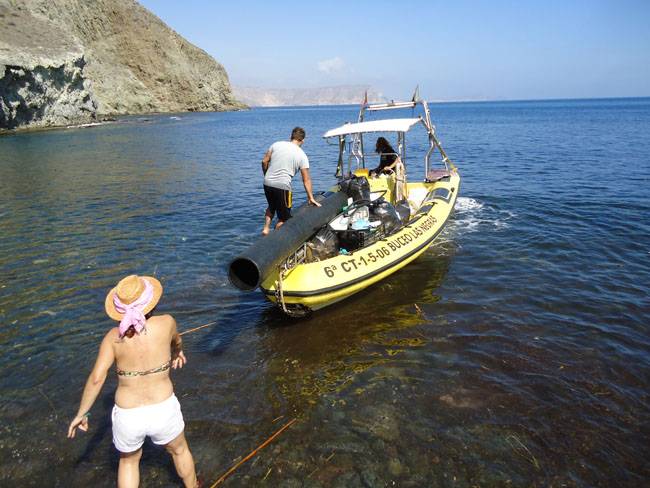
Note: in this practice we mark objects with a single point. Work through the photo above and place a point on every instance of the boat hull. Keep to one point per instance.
(312, 286)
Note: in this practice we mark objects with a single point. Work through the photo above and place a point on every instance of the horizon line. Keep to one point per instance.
(469, 100)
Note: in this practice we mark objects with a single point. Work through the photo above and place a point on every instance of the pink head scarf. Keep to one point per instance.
(133, 315)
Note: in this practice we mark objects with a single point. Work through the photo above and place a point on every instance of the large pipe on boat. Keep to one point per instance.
(251, 267)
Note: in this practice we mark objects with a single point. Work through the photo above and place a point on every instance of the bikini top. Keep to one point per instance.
(158, 369)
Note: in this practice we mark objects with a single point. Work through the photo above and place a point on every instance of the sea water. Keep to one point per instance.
(516, 351)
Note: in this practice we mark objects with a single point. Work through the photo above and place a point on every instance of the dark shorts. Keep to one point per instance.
(279, 202)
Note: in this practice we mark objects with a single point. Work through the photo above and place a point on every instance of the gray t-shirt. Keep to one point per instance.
(286, 159)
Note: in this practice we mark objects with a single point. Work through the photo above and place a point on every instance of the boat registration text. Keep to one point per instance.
(361, 259)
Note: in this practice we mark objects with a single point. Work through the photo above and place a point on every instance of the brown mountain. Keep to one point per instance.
(67, 61)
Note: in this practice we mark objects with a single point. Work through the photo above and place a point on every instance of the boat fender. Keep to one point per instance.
(247, 270)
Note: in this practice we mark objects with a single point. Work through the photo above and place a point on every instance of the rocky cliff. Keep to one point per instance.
(330, 95)
(64, 61)
(42, 79)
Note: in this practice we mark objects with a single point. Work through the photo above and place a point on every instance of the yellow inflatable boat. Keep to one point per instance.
(365, 242)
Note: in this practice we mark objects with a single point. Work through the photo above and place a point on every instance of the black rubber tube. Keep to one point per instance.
(251, 267)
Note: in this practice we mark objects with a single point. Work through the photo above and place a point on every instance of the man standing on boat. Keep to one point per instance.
(280, 164)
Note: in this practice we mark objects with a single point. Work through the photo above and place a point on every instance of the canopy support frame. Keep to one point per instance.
(356, 144)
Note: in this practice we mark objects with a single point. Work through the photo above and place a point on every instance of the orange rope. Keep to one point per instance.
(262, 446)
(197, 328)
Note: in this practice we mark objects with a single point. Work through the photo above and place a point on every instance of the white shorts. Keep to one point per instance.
(163, 422)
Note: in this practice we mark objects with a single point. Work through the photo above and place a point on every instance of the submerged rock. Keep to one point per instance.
(395, 467)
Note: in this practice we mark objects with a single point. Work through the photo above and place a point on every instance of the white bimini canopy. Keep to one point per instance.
(385, 125)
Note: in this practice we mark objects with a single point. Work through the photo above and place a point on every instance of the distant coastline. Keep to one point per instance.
(147, 116)
(295, 97)
(518, 100)
(496, 100)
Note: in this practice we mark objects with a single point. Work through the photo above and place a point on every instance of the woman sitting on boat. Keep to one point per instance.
(388, 158)
(144, 347)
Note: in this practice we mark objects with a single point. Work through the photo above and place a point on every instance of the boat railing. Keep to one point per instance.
(434, 143)
(356, 151)
(390, 105)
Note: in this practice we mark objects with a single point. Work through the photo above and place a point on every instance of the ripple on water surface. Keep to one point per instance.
(515, 351)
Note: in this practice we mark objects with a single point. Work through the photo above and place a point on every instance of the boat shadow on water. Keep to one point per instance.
(399, 301)
(323, 353)
(414, 285)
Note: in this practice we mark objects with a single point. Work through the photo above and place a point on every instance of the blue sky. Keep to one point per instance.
(478, 50)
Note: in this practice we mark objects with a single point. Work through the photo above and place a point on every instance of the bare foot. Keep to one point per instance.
(265, 232)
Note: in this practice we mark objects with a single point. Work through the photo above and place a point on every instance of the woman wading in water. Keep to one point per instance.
(144, 348)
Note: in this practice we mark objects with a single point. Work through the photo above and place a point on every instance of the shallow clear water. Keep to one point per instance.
(515, 351)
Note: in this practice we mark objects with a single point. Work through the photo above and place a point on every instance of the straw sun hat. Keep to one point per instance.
(129, 290)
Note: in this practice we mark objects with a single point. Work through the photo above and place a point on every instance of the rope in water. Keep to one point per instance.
(261, 446)
(197, 328)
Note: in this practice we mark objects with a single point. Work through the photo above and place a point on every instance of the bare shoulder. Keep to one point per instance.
(164, 321)
(112, 335)
(111, 338)
(162, 318)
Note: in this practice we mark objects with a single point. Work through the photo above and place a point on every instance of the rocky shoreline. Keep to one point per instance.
(64, 63)
(46, 95)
